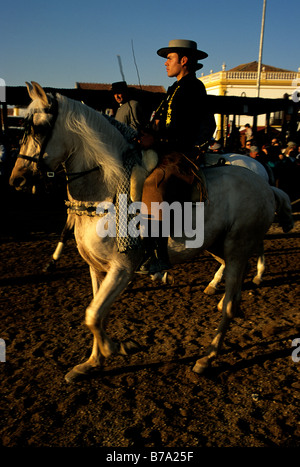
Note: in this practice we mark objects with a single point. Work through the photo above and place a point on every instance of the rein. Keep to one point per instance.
(77, 175)
(38, 157)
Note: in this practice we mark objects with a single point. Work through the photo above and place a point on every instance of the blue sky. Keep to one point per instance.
(57, 43)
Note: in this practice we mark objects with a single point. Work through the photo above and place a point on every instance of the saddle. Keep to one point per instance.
(149, 161)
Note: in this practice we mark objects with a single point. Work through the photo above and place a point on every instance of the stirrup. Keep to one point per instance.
(153, 265)
(144, 268)
(159, 265)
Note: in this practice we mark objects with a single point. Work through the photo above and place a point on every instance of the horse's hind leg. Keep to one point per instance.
(213, 285)
(230, 306)
(64, 236)
(260, 269)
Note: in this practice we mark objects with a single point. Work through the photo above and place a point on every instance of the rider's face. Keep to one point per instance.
(119, 98)
(173, 65)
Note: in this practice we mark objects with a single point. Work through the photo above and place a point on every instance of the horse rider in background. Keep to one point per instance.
(129, 111)
(180, 131)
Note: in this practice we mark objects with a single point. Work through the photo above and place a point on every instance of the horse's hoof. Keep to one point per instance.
(165, 277)
(81, 372)
(201, 365)
(129, 347)
(210, 290)
(50, 267)
(168, 279)
(73, 376)
(257, 281)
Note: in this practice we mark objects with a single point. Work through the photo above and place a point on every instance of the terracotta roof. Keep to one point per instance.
(107, 87)
(253, 66)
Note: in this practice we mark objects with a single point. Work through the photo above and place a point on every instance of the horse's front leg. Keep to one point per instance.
(116, 280)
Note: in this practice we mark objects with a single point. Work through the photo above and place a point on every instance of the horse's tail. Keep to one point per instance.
(284, 213)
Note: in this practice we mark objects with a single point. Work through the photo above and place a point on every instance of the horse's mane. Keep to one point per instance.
(100, 142)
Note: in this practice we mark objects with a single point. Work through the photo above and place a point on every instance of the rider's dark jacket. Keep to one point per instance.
(184, 117)
(184, 122)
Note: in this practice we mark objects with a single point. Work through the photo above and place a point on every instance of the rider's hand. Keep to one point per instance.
(146, 141)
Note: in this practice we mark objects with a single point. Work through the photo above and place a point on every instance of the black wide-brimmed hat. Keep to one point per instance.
(119, 87)
(185, 46)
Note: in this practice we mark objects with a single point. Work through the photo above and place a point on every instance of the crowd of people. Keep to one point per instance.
(282, 161)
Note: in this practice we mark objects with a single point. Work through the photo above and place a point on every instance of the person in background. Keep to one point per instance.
(274, 150)
(298, 156)
(291, 150)
(247, 148)
(248, 132)
(258, 155)
(129, 111)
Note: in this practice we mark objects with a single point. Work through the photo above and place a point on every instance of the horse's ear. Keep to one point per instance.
(29, 87)
(36, 91)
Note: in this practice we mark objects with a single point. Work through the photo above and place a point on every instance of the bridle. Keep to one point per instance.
(38, 157)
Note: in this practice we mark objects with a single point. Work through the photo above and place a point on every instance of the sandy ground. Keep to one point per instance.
(250, 397)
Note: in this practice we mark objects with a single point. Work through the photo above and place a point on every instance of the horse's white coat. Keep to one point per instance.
(240, 160)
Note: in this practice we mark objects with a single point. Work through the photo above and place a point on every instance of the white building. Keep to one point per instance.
(275, 83)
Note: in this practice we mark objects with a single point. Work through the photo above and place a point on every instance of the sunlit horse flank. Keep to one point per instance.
(239, 211)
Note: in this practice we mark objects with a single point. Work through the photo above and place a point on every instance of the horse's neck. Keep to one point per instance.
(84, 183)
(87, 187)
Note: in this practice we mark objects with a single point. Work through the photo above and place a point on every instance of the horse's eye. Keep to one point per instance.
(40, 129)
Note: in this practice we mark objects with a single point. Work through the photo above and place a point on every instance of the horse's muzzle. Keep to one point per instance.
(23, 182)
(18, 182)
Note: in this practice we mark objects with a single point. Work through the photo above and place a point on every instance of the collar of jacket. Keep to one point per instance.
(188, 77)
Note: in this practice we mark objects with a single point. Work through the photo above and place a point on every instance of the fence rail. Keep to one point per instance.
(249, 75)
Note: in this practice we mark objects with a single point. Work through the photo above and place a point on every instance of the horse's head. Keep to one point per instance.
(38, 142)
(64, 132)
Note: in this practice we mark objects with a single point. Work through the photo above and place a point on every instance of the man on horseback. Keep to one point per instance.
(180, 130)
(129, 111)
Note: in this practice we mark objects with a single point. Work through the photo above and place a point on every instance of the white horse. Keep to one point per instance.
(238, 212)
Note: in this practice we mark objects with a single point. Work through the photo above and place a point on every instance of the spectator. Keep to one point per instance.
(258, 155)
(298, 156)
(3, 159)
(248, 132)
(274, 151)
(247, 148)
(291, 150)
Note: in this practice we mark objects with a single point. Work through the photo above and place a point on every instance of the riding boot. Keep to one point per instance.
(156, 253)
(149, 255)
(161, 262)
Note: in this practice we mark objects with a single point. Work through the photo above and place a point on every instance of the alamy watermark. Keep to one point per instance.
(179, 219)
(2, 351)
(296, 352)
